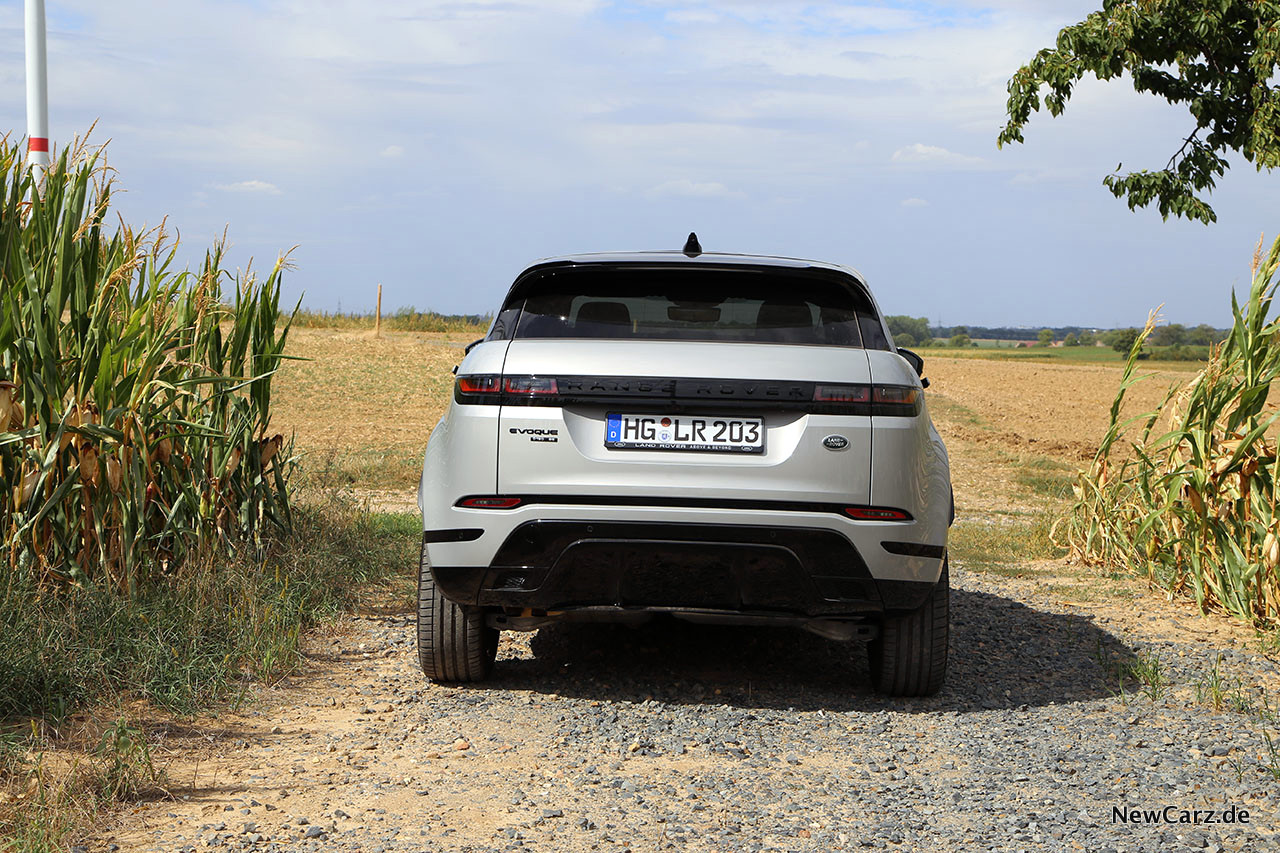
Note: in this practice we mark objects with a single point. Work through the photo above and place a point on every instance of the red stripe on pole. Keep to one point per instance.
(38, 143)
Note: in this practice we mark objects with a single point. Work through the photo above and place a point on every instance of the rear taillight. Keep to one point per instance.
(531, 385)
(490, 502)
(494, 390)
(884, 400)
(895, 395)
(842, 394)
(823, 399)
(899, 401)
(479, 385)
(875, 513)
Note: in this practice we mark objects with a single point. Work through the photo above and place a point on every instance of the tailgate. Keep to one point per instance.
(560, 449)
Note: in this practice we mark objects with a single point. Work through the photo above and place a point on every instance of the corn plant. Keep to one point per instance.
(134, 398)
(1187, 494)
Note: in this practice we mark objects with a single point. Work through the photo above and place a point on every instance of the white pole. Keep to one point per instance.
(37, 87)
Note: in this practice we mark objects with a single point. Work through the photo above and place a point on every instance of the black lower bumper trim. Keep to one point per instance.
(558, 565)
(914, 549)
(459, 534)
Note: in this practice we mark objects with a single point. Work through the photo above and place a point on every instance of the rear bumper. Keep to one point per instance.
(751, 569)
(890, 550)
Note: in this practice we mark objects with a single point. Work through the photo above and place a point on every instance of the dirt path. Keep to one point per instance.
(689, 738)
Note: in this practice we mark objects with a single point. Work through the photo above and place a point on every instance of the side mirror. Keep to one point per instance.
(913, 359)
(472, 346)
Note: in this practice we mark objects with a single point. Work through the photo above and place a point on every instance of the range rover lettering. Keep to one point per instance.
(713, 437)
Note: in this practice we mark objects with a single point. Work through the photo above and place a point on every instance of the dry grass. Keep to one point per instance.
(362, 407)
(1017, 432)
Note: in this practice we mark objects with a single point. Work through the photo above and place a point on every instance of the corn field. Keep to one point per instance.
(1189, 497)
(135, 399)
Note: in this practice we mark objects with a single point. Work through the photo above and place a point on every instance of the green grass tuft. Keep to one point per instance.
(389, 468)
(215, 623)
(1002, 545)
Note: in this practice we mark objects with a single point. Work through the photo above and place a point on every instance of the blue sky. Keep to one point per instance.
(437, 147)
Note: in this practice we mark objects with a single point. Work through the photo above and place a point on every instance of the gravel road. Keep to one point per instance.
(680, 737)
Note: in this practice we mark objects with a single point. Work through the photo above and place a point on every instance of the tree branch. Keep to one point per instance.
(1185, 143)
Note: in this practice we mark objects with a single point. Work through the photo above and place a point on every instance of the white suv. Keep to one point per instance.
(719, 438)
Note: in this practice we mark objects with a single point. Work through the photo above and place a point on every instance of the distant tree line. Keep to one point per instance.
(408, 319)
(917, 332)
(1177, 342)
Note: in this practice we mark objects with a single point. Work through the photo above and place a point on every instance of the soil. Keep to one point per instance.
(1056, 409)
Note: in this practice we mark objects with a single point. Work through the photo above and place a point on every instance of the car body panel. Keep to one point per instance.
(910, 467)
(463, 433)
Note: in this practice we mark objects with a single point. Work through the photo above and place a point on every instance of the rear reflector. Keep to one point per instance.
(872, 513)
(492, 502)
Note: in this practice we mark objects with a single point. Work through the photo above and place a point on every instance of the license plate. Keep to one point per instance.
(684, 432)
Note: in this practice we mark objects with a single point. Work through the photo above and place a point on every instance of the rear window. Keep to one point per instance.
(694, 305)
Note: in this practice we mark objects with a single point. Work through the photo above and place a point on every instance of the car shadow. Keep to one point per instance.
(1004, 654)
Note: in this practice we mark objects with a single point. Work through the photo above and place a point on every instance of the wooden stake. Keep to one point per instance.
(377, 323)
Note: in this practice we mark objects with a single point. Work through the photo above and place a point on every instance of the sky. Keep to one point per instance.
(439, 147)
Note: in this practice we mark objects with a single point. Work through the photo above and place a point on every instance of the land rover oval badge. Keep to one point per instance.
(835, 442)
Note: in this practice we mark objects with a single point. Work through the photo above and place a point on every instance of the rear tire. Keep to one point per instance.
(454, 644)
(909, 658)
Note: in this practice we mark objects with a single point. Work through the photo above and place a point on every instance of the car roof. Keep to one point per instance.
(719, 259)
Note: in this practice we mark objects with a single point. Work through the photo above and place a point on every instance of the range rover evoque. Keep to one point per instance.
(715, 437)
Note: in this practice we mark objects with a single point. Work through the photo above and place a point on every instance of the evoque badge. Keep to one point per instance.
(835, 442)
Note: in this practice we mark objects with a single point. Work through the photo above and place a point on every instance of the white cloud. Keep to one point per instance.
(249, 187)
(874, 17)
(685, 188)
(781, 88)
(807, 15)
(1050, 175)
(914, 202)
(933, 155)
(692, 16)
